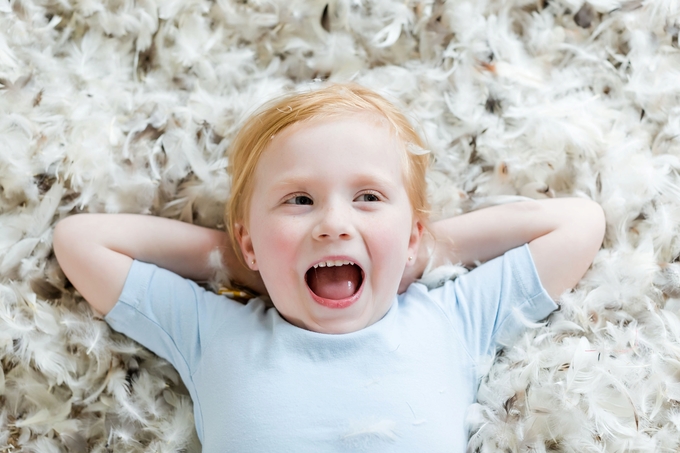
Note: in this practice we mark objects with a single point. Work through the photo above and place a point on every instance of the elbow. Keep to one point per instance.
(598, 222)
(68, 233)
(593, 224)
(64, 228)
(60, 235)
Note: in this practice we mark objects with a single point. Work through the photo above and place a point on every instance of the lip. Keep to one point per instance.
(339, 303)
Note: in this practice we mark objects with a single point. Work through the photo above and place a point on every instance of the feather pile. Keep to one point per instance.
(128, 106)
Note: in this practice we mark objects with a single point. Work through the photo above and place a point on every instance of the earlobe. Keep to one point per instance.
(414, 241)
(246, 245)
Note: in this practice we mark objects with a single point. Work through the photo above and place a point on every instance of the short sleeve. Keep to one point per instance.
(168, 314)
(491, 305)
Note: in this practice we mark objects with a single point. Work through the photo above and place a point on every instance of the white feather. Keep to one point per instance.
(132, 106)
(16, 253)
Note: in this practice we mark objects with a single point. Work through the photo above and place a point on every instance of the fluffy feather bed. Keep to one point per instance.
(128, 106)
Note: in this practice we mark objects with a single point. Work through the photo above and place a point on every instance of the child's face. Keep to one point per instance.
(331, 190)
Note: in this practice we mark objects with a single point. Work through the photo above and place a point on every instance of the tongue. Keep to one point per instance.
(335, 282)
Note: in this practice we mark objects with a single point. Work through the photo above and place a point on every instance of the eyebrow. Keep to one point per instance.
(359, 180)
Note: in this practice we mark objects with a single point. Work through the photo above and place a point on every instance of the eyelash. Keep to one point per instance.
(374, 193)
(293, 197)
(370, 192)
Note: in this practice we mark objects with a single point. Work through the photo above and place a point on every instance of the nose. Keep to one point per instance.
(335, 222)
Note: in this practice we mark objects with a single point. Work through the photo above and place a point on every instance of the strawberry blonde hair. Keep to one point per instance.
(335, 100)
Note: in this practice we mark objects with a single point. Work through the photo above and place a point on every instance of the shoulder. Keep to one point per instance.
(510, 279)
(164, 296)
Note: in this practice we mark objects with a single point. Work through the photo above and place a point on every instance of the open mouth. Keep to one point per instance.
(336, 285)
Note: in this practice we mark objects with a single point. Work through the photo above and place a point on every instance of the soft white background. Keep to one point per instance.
(128, 106)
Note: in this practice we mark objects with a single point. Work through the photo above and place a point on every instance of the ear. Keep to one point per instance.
(246, 244)
(414, 241)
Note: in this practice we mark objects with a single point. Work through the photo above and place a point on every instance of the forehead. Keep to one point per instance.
(361, 145)
(373, 123)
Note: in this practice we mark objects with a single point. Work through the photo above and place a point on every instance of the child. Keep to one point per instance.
(327, 214)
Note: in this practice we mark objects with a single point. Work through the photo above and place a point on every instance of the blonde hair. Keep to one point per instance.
(331, 101)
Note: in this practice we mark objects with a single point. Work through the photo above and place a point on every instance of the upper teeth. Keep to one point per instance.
(332, 263)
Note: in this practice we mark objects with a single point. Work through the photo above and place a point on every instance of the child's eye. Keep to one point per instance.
(299, 199)
(369, 196)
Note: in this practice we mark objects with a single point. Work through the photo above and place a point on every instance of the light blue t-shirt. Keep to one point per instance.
(403, 384)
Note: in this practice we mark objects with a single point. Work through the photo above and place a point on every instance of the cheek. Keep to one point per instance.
(276, 248)
(390, 246)
(276, 241)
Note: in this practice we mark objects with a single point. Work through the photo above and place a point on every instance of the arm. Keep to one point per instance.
(95, 251)
(564, 235)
